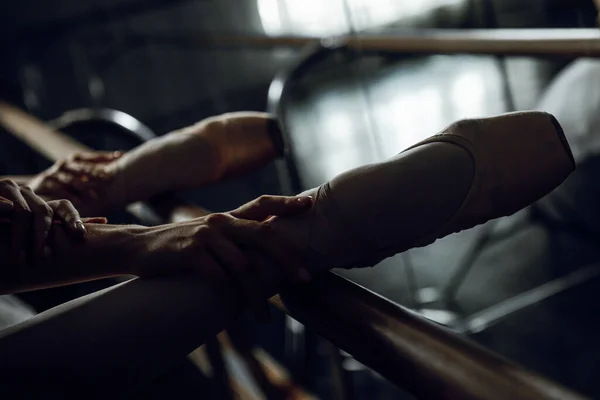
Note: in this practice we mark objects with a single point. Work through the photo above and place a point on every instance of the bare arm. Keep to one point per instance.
(215, 148)
(211, 246)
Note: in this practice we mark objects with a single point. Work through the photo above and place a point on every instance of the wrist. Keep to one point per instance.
(151, 250)
(242, 140)
(110, 250)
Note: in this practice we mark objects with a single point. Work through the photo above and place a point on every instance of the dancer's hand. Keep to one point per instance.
(83, 179)
(31, 218)
(234, 245)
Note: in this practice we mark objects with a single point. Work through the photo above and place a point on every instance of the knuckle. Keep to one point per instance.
(42, 209)
(58, 167)
(264, 199)
(47, 220)
(9, 183)
(47, 210)
(63, 203)
(216, 219)
(75, 156)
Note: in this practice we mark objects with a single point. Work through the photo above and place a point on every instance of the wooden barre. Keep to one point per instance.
(522, 42)
(52, 144)
(419, 356)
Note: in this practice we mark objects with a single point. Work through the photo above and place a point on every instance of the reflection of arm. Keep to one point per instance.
(215, 148)
(116, 340)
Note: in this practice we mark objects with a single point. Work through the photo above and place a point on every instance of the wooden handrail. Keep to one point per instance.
(529, 42)
(421, 357)
(574, 42)
(52, 144)
(425, 359)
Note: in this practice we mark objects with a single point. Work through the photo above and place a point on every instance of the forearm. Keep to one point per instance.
(215, 148)
(107, 250)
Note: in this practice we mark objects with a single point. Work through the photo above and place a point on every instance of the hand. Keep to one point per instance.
(83, 179)
(234, 245)
(31, 218)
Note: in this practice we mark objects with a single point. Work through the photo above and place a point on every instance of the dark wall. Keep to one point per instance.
(72, 54)
(77, 53)
(122, 54)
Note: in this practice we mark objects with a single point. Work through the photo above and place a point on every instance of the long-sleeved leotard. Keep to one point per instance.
(473, 171)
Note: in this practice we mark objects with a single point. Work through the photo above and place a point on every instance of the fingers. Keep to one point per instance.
(56, 187)
(238, 266)
(84, 172)
(31, 218)
(286, 256)
(261, 236)
(20, 218)
(58, 184)
(97, 156)
(41, 215)
(265, 206)
(80, 189)
(66, 211)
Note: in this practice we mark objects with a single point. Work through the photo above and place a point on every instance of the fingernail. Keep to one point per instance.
(303, 275)
(304, 199)
(80, 227)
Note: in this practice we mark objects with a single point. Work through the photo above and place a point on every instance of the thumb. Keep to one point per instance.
(266, 206)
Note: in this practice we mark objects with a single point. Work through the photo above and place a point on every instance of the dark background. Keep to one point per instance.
(140, 57)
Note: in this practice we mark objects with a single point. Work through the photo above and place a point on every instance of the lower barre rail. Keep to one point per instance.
(568, 42)
(424, 358)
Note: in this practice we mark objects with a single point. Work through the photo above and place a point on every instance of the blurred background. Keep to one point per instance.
(523, 286)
